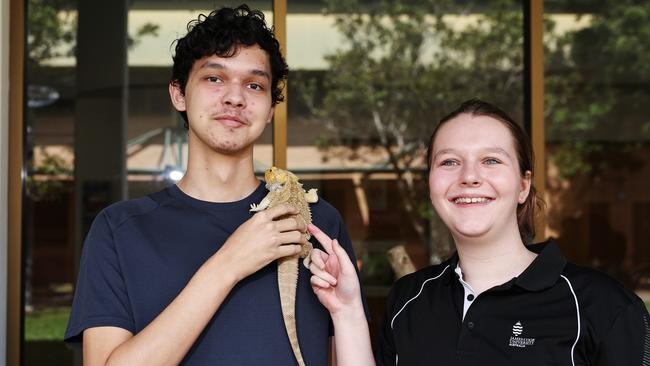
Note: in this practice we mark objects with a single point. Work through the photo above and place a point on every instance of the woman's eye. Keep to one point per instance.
(491, 161)
(448, 162)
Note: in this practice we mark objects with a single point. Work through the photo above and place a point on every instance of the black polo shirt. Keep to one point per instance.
(554, 313)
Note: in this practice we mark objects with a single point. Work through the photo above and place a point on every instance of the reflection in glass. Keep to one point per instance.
(364, 99)
(598, 134)
(71, 101)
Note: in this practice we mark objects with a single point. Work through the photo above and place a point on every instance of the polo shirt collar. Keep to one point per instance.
(543, 272)
(546, 268)
(451, 275)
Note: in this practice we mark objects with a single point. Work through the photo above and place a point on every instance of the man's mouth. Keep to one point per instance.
(230, 120)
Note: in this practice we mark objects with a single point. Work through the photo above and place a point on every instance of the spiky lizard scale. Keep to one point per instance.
(284, 187)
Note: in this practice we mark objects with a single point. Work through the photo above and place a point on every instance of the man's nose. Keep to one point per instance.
(234, 96)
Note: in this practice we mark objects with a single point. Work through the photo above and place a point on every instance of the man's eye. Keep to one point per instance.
(491, 161)
(255, 86)
(213, 79)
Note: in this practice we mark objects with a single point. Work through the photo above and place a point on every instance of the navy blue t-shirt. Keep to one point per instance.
(140, 254)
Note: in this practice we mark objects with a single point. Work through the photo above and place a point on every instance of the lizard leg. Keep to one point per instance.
(262, 206)
(311, 196)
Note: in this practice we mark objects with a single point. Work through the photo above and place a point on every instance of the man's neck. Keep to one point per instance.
(219, 178)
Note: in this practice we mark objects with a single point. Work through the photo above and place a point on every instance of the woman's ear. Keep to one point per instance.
(177, 97)
(524, 190)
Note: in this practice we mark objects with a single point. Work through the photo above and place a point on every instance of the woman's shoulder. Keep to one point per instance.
(588, 282)
(413, 283)
(600, 298)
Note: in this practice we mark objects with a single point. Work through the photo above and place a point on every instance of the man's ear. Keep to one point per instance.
(177, 97)
(270, 117)
(524, 190)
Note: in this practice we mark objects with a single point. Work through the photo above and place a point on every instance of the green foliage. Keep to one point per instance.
(46, 187)
(145, 30)
(594, 76)
(46, 324)
(52, 27)
(404, 64)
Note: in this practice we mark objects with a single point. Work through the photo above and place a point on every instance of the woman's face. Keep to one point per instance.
(475, 184)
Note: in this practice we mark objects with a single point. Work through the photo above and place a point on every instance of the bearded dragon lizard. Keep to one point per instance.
(284, 187)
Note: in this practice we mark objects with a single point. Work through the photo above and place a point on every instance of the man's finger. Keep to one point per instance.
(289, 224)
(288, 249)
(322, 238)
(280, 210)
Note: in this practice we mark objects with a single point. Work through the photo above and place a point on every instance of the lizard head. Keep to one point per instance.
(276, 178)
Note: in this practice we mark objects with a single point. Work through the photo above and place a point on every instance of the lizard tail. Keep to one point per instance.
(287, 283)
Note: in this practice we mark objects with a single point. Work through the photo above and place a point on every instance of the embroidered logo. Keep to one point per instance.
(516, 341)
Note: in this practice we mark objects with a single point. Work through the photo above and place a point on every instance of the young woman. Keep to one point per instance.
(496, 301)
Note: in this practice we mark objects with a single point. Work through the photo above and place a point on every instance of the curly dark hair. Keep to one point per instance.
(221, 33)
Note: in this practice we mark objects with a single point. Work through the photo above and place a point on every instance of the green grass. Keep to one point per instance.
(46, 325)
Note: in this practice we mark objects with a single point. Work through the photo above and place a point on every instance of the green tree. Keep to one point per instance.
(405, 63)
(595, 75)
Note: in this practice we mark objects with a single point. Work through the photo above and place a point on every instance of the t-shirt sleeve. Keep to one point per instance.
(100, 297)
(628, 340)
(386, 352)
(340, 233)
(346, 243)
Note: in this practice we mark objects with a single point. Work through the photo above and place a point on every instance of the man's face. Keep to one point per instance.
(227, 100)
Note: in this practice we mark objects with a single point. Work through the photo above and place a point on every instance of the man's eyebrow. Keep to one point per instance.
(220, 66)
(261, 73)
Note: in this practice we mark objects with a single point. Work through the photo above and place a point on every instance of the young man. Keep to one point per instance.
(188, 275)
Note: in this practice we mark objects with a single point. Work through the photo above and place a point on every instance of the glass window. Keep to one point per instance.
(363, 100)
(100, 128)
(598, 135)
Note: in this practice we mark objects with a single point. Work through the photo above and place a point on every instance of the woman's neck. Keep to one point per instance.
(486, 264)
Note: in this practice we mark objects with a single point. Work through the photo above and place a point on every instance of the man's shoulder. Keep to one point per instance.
(119, 212)
(324, 213)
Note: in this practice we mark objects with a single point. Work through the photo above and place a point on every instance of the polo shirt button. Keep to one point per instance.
(470, 297)
(470, 325)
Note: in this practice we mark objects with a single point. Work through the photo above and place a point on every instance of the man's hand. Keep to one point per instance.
(261, 240)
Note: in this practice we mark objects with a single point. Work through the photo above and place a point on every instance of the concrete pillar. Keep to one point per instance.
(101, 109)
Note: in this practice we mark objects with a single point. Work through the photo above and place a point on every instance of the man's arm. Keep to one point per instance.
(166, 340)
